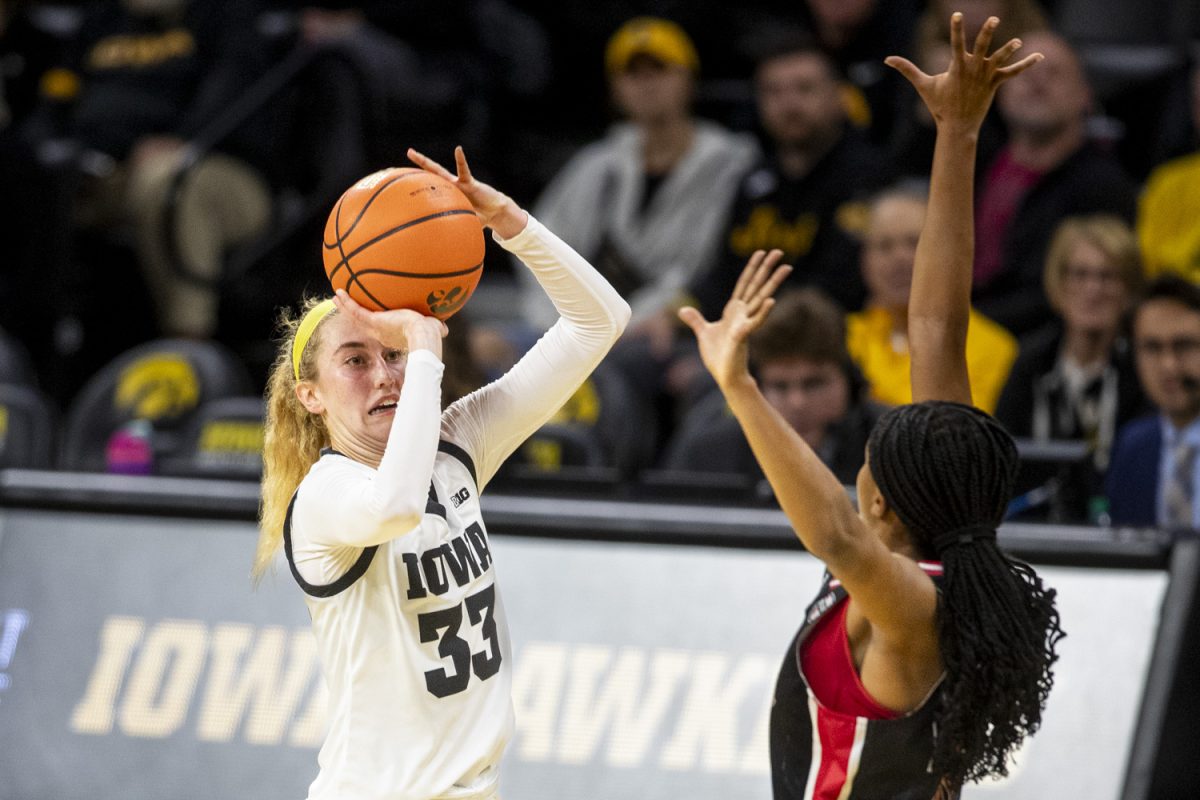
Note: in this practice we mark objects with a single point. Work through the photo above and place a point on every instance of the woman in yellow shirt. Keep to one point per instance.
(877, 337)
(1166, 223)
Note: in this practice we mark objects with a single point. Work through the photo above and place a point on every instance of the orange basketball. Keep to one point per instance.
(404, 238)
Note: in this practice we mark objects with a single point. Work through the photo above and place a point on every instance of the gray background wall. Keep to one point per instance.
(148, 668)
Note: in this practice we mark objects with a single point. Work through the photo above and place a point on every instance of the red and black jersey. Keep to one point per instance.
(821, 754)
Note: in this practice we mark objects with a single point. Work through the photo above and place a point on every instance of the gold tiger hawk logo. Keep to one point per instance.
(441, 301)
(158, 386)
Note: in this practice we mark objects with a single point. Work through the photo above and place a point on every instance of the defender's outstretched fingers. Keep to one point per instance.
(983, 41)
(1019, 67)
(766, 293)
(756, 278)
(747, 273)
(692, 318)
(760, 276)
(770, 277)
(777, 277)
(1003, 54)
(909, 70)
(756, 319)
(958, 42)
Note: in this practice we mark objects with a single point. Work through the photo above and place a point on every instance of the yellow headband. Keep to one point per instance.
(307, 325)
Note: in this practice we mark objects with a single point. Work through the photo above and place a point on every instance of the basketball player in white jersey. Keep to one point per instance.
(373, 491)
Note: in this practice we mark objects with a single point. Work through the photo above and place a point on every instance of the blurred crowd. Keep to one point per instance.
(166, 167)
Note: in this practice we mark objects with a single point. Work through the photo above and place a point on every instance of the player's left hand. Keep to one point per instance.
(722, 343)
(495, 209)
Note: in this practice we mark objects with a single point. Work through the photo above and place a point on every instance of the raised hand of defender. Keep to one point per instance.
(723, 342)
(491, 205)
(962, 94)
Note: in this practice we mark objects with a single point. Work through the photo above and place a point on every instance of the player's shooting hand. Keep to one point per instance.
(495, 209)
(401, 328)
(723, 343)
(963, 93)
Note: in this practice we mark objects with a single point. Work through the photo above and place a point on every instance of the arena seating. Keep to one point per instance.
(28, 426)
(163, 382)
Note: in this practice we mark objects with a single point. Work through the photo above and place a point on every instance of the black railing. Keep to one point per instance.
(270, 87)
(508, 510)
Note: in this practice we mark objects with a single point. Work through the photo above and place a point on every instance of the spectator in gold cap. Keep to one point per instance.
(647, 203)
(659, 39)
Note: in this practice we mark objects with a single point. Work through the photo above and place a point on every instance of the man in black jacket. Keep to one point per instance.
(1047, 171)
(807, 197)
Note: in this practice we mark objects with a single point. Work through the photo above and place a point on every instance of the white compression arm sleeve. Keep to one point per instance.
(492, 422)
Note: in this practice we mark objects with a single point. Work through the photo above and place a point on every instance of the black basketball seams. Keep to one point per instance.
(378, 191)
(337, 233)
(337, 217)
(337, 221)
(341, 238)
(398, 274)
(367, 292)
(337, 224)
(345, 257)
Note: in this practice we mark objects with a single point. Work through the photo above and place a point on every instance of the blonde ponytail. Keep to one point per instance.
(293, 438)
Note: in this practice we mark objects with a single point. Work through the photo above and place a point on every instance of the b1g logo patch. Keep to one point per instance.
(446, 302)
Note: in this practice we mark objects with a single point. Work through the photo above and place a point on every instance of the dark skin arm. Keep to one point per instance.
(891, 619)
(886, 588)
(940, 301)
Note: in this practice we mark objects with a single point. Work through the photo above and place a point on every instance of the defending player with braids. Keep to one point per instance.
(926, 657)
(947, 470)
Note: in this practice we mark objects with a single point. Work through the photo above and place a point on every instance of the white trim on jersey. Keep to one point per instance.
(860, 738)
(415, 651)
(815, 764)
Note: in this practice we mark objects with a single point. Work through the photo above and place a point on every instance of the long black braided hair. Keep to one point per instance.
(948, 471)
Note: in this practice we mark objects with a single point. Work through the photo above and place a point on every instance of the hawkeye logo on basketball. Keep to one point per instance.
(445, 302)
(460, 497)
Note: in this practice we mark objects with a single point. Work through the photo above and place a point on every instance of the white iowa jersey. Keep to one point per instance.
(409, 626)
(414, 646)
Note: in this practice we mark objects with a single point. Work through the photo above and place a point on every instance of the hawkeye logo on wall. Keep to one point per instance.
(157, 386)
(576, 704)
